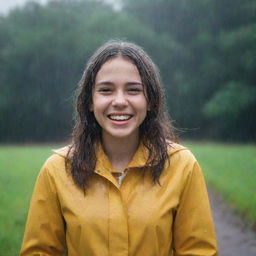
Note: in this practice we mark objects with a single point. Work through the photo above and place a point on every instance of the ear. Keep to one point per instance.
(91, 107)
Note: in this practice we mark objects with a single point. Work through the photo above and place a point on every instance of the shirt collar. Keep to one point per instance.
(138, 160)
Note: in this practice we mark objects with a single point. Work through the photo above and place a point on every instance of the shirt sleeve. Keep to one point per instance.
(193, 228)
(45, 228)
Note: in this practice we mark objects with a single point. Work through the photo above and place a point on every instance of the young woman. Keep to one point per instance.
(124, 187)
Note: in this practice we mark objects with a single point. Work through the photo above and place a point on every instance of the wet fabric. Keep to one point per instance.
(135, 218)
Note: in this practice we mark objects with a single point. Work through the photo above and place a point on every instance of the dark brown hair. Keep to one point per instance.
(155, 131)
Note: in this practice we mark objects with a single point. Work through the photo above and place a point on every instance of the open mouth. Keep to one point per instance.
(119, 117)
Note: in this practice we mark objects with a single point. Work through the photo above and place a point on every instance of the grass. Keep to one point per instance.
(230, 169)
(19, 167)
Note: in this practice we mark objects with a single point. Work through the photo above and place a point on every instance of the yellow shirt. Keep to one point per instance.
(136, 218)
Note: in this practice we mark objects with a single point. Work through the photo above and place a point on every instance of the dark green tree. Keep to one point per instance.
(44, 52)
(215, 62)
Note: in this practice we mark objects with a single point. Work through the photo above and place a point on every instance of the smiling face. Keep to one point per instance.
(118, 100)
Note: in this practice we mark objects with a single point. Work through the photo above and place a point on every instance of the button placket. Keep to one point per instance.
(117, 217)
(118, 224)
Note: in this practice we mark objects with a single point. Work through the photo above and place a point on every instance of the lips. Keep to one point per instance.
(119, 117)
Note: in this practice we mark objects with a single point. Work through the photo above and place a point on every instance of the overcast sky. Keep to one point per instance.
(6, 5)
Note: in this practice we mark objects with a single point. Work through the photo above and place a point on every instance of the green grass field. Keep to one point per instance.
(230, 169)
(18, 170)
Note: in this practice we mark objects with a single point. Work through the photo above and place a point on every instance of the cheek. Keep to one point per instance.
(97, 103)
(142, 108)
(144, 105)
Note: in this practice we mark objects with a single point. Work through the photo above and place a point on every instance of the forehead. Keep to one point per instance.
(118, 67)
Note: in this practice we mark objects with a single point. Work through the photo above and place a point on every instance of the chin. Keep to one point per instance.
(122, 134)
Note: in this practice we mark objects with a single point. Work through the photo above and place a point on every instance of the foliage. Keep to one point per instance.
(222, 101)
(216, 63)
(204, 49)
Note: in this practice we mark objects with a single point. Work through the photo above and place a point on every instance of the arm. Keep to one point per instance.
(193, 225)
(45, 228)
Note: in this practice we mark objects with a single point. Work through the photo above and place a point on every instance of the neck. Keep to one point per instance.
(120, 150)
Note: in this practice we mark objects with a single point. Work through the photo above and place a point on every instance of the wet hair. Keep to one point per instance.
(155, 132)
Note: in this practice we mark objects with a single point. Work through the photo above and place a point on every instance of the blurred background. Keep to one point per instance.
(205, 50)
(206, 54)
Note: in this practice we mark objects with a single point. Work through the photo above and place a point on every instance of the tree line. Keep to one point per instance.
(205, 51)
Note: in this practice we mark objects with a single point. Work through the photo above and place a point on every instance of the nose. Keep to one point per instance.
(119, 99)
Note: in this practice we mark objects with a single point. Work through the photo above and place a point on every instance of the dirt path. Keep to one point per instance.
(235, 237)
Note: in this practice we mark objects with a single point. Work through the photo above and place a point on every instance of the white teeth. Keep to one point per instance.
(119, 117)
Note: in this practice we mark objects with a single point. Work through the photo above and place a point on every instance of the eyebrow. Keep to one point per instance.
(110, 83)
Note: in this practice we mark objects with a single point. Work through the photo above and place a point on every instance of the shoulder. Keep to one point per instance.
(179, 151)
(181, 160)
(181, 167)
(55, 164)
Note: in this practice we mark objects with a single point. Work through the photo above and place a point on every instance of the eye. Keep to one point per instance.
(105, 90)
(134, 90)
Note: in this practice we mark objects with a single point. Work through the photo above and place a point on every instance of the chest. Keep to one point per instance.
(120, 218)
(138, 200)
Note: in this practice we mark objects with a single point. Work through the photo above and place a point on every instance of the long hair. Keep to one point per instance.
(154, 132)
